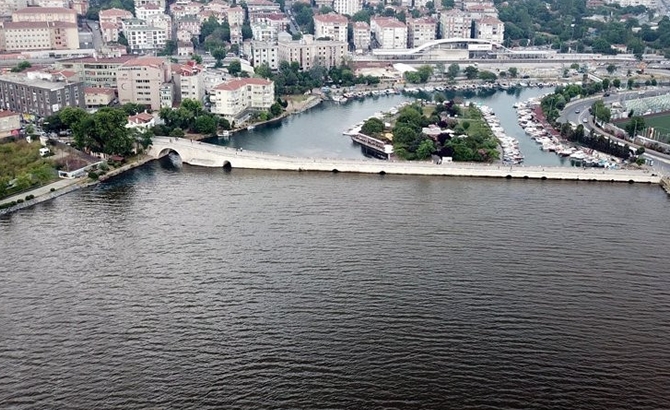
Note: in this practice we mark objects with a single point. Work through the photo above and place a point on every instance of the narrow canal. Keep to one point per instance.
(318, 132)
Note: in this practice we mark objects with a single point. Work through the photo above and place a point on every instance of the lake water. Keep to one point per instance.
(199, 288)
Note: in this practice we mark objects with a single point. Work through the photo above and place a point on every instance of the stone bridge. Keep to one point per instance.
(208, 155)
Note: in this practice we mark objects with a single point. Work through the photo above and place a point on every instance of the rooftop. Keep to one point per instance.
(142, 117)
(330, 18)
(114, 13)
(37, 24)
(99, 90)
(33, 82)
(489, 20)
(50, 10)
(361, 24)
(388, 22)
(149, 6)
(145, 62)
(7, 113)
(241, 82)
(117, 60)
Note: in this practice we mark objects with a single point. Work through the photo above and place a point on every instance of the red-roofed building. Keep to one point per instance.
(189, 81)
(237, 98)
(38, 35)
(142, 120)
(50, 14)
(389, 32)
(331, 25)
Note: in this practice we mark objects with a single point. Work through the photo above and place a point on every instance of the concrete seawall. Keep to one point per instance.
(208, 155)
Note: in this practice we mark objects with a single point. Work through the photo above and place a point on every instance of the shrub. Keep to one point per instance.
(52, 189)
(104, 167)
(93, 175)
(19, 201)
(29, 197)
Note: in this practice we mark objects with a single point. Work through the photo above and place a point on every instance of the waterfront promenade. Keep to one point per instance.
(208, 155)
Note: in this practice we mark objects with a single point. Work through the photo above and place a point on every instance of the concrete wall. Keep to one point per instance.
(208, 155)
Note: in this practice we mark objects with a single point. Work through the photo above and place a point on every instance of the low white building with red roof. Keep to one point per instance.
(236, 99)
(142, 120)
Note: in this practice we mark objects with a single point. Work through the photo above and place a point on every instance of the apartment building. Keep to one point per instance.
(184, 48)
(263, 32)
(99, 97)
(188, 80)
(147, 10)
(420, 31)
(217, 6)
(309, 52)
(348, 7)
(187, 28)
(110, 23)
(27, 94)
(236, 98)
(332, 26)
(455, 24)
(160, 3)
(80, 6)
(277, 20)
(265, 52)
(35, 35)
(254, 6)
(490, 28)
(235, 16)
(51, 3)
(143, 37)
(94, 71)
(389, 32)
(361, 32)
(7, 7)
(45, 14)
(141, 79)
(161, 21)
(480, 10)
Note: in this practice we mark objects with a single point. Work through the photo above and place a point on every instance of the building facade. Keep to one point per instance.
(455, 24)
(265, 52)
(420, 31)
(234, 98)
(348, 7)
(189, 81)
(95, 72)
(389, 32)
(309, 52)
(140, 80)
(10, 123)
(31, 36)
(143, 37)
(46, 14)
(27, 95)
(98, 97)
(361, 36)
(490, 28)
(332, 26)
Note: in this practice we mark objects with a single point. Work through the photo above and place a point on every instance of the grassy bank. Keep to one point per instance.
(22, 167)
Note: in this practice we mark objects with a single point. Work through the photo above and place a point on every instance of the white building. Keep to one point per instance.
(159, 3)
(332, 26)
(361, 35)
(142, 37)
(389, 32)
(308, 52)
(233, 99)
(9, 6)
(36, 35)
(265, 52)
(420, 31)
(348, 7)
(490, 28)
(189, 81)
(143, 12)
(455, 24)
(264, 32)
(650, 4)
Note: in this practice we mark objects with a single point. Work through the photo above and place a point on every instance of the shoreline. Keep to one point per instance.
(85, 182)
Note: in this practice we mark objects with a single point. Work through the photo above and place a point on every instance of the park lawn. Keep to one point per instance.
(23, 166)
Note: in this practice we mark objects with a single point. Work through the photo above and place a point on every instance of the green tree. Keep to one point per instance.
(471, 72)
(104, 131)
(453, 71)
(635, 126)
(487, 76)
(177, 133)
(372, 126)
(205, 124)
(425, 149)
(235, 67)
(611, 68)
(513, 72)
(263, 70)
(425, 72)
(630, 83)
(133, 108)
(616, 83)
(276, 109)
(197, 58)
(606, 83)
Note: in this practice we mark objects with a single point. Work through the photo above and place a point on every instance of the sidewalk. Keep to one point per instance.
(43, 190)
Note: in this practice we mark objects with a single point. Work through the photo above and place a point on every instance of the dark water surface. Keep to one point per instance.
(197, 288)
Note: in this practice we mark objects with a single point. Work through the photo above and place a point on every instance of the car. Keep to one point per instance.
(577, 111)
(606, 95)
(585, 120)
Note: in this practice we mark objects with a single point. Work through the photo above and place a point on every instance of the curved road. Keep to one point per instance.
(578, 113)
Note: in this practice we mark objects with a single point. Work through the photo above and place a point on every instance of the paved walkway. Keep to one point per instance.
(44, 190)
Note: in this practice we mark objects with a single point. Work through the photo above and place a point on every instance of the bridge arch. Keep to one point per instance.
(166, 151)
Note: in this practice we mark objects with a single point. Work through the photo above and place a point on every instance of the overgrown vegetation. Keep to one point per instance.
(22, 166)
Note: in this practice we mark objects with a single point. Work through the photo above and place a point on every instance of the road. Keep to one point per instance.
(578, 113)
(97, 36)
